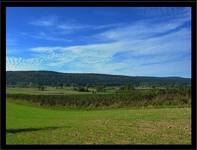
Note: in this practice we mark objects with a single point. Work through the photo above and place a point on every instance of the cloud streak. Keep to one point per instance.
(142, 47)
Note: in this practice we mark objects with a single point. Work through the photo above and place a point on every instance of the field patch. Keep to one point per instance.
(33, 125)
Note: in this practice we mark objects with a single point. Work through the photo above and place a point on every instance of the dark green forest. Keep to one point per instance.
(50, 78)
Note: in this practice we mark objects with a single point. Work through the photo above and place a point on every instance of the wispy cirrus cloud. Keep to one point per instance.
(50, 37)
(19, 63)
(143, 29)
(69, 25)
(141, 47)
(99, 55)
(52, 29)
(45, 21)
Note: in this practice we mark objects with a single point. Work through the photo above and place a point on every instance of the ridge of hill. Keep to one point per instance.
(51, 78)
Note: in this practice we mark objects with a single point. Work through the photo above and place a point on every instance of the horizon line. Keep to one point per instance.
(98, 73)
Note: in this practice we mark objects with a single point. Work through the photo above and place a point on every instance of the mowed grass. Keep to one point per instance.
(37, 125)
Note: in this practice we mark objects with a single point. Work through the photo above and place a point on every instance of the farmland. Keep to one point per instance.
(37, 125)
(98, 114)
(75, 99)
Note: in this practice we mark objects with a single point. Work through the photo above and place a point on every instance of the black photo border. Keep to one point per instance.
(88, 3)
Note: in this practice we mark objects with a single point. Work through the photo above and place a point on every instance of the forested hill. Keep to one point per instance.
(55, 78)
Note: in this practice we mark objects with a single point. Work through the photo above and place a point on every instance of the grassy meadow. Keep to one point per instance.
(36, 125)
(66, 116)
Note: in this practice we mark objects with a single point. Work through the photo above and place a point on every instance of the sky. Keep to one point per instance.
(132, 41)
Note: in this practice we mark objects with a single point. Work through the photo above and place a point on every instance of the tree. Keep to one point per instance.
(126, 88)
(81, 89)
(61, 85)
(41, 87)
(100, 88)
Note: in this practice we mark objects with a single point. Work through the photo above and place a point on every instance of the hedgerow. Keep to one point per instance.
(132, 98)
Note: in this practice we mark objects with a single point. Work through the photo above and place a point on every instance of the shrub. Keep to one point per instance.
(134, 98)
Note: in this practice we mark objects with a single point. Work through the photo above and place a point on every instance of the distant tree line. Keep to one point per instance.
(47, 78)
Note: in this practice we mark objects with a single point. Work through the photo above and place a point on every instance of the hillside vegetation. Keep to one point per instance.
(96, 90)
(59, 108)
(132, 98)
(50, 78)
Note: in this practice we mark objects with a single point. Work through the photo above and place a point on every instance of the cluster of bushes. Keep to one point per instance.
(81, 89)
(42, 88)
(126, 88)
(100, 88)
(134, 98)
(94, 89)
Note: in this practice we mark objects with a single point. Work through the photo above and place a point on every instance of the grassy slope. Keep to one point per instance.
(31, 125)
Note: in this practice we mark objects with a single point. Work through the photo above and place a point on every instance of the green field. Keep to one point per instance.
(66, 116)
(64, 91)
(50, 90)
(37, 125)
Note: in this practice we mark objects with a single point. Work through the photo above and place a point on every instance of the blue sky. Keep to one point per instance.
(134, 41)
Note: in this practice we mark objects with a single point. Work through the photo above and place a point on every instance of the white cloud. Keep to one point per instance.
(48, 36)
(45, 49)
(87, 54)
(18, 63)
(45, 21)
(98, 56)
(53, 29)
(142, 29)
(140, 38)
